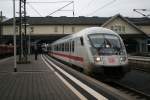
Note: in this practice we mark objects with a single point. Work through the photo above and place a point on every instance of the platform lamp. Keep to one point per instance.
(29, 39)
(26, 44)
(14, 32)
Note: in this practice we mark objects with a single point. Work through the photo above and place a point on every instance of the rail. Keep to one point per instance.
(131, 91)
(139, 58)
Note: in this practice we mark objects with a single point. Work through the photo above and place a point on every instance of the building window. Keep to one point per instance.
(118, 28)
(55, 29)
(112, 28)
(73, 29)
(123, 28)
(17, 29)
(32, 29)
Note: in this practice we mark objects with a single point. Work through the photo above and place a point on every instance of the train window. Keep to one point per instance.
(68, 46)
(59, 47)
(56, 47)
(72, 46)
(63, 47)
(81, 40)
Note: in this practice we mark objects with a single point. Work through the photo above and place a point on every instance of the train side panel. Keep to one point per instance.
(78, 53)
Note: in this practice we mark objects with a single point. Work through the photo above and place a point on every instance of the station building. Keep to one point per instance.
(134, 31)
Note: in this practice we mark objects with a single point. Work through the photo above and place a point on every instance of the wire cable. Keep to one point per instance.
(107, 4)
(34, 9)
(84, 7)
(89, 3)
(36, 1)
(60, 8)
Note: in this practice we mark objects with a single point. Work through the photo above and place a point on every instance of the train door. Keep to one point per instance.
(75, 51)
(80, 51)
(77, 47)
(70, 50)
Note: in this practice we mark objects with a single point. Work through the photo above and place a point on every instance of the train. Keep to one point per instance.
(6, 50)
(94, 49)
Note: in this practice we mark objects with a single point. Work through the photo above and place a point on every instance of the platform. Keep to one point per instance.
(33, 81)
(43, 80)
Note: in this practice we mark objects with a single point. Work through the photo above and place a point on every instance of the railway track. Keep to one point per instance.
(139, 95)
(142, 69)
(132, 92)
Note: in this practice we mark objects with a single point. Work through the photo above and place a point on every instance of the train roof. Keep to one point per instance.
(92, 30)
(86, 31)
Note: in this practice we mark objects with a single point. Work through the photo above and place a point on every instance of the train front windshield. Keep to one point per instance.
(106, 44)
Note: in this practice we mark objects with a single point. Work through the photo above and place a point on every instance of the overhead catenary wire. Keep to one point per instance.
(51, 2)
(139, 11)
(90, 2)
(39, 2)
(60, 8)
(107, 4)
(85, 7)
(34, 9)
(45, 2)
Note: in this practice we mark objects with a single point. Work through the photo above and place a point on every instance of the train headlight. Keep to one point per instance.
(97, 59)
(123, 59)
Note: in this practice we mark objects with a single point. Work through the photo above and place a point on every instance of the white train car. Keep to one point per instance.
(94, 49)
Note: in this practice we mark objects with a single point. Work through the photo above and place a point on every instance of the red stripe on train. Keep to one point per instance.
(68, 56)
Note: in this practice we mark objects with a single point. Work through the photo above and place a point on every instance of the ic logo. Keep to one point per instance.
(111, 60)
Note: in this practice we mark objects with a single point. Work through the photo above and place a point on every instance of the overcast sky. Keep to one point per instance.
(102, 8)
